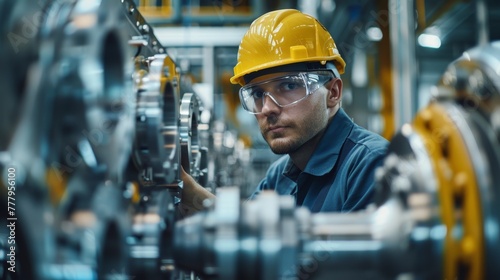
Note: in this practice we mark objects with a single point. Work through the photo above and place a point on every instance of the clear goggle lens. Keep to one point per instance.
(284, 90)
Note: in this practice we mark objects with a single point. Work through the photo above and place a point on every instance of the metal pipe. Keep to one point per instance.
(402, 32)
(482, 22)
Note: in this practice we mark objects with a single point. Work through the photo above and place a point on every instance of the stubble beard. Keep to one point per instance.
(291, 142)
(281, 146)
(279, 143)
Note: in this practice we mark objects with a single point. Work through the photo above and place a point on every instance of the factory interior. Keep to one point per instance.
(104, 102)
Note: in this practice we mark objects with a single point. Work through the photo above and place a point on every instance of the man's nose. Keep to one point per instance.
(269, 105)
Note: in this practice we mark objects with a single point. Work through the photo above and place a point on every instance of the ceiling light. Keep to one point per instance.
(429, 41)
(374, 33)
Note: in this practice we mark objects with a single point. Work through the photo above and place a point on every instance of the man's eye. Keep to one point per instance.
(257, 94)
(289, 86)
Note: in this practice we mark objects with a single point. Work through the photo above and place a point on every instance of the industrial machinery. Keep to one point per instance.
(91, 153)
(99, 128)
(70, 139)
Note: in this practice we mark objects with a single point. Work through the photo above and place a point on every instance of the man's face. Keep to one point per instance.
(286, 129)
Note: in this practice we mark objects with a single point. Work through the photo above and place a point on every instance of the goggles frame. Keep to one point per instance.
(284, 87)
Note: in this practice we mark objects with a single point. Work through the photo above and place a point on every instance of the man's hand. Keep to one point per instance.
(193, 195)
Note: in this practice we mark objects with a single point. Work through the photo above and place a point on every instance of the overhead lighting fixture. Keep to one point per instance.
(374, 33)
(429, 41)
(328, 6)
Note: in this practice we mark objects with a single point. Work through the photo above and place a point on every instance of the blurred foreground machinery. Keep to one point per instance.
(94, 134)
(69, 133)
(436, 214)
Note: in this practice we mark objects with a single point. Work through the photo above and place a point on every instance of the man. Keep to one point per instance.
(289, 69)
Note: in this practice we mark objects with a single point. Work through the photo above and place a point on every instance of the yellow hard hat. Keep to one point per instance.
(281, 38)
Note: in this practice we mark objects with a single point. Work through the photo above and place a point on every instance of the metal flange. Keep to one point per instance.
(445, 131)
(79, 99)
(190, 143)
(157, 146)
(470, 93)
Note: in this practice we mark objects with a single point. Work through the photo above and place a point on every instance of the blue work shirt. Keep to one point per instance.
(351, 188)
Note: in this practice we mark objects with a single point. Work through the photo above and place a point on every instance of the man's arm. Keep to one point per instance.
(193, 195)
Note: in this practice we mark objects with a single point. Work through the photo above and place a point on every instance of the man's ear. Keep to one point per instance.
(334, 91)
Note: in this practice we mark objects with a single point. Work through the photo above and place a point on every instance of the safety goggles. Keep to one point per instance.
(284, 91)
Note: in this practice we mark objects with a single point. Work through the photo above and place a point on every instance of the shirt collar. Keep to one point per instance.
(327, 152)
